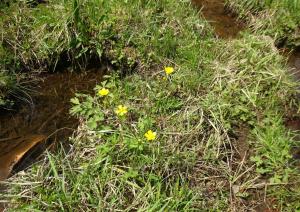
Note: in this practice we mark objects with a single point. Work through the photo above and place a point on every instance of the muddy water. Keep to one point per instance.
(26, 132)
(294, 62)
(225, 24)
(294, 122)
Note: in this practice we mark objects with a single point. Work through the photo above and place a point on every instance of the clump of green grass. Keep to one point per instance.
(7, 83)
(257, 5)
(115, 31)
(84, 28)
(273, 145)
(113, 166)
(279, 19)
(234, 95)
(252, 89)
(13, 84)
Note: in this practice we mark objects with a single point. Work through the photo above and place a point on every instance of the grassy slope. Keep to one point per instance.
(224, 99)
(279, 19)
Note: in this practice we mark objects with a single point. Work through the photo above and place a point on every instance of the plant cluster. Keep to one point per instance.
(206, 133)
(279, 19)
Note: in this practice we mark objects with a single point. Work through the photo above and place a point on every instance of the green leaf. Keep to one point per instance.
(75, 101)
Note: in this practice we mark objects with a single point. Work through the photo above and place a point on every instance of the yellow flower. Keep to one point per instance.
(150, 135)
(103, 92)
(121, 110)
(169, 70)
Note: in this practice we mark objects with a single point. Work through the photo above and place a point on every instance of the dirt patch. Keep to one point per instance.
(242, 145)
(225, 23)
(43, 119)
(293, 124)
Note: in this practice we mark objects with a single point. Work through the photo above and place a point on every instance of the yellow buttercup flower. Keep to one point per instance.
(169, 70)
(150, 135)
(103, 92)
(121, 110)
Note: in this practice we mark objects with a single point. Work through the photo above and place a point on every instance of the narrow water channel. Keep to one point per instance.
(27, 131)
(225, 24)
(294, 61)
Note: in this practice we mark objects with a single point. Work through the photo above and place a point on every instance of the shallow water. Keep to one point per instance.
(294, 62)
(225, 24)
(294, 122)
(26, 132)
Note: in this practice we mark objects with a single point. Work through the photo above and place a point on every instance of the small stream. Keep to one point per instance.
(26, 132)
(225, 24)
(294, 62)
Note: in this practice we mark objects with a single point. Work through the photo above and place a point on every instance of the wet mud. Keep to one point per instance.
(293, 123)
(43, 120)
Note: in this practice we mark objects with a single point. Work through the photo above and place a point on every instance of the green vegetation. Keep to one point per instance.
(279, 19)
(217, 140)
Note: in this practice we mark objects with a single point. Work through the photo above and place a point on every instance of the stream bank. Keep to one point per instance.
(227, 26)
(294, 62)
(26, 132)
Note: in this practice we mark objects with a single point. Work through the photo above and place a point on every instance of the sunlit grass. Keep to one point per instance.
(279, 19)
(165, 129)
